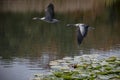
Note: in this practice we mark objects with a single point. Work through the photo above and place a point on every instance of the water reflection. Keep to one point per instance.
(27, 46)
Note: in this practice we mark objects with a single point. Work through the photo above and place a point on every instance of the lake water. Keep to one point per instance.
(27, 46)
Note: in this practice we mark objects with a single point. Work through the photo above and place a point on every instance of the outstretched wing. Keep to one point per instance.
(86, 31)
(79, 36)
(83, 29)
(49, 14)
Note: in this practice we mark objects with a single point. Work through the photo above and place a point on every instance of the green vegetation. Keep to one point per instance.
(110, 2)
(86, 67)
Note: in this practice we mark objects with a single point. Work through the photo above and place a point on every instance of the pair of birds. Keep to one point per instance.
(82, 29)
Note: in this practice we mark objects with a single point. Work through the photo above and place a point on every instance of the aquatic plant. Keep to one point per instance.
(86, 67)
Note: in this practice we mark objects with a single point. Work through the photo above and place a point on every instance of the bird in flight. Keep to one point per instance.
(82, 30)
(49, 15)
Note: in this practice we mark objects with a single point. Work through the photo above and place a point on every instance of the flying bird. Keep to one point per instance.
(82, 30)
(49, 15)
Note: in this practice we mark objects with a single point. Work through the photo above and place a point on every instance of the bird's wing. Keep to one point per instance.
(49, 12)
(79, 36)
(83, 30)
(86, 30)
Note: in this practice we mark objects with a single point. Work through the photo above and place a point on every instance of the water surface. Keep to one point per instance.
(27, 46)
